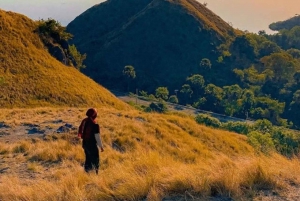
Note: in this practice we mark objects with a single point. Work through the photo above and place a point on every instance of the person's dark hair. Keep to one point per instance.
(92, 112)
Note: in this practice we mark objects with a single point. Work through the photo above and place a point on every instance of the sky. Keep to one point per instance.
(251, 15)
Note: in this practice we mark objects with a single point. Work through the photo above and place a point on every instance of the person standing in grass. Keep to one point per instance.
(89, 132)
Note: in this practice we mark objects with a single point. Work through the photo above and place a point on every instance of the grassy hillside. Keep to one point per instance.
(147, 156)
(29, 76)
(164, 40)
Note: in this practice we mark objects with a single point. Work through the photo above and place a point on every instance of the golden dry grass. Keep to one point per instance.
(31, 77)
(207, 17)
(158, 155)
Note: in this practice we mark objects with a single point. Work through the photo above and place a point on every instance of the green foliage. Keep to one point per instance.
(186, 89)
(54, 35)
(287, 24)
(208, 120)
(282, 65)
(173, 99)
(247, 100)
(262, 135)
(267, 48)
(287, 38)
(261, 142)
(152, 97)
(286, 142)
(263, 126)
(197, 80)
(238, 127)
(52, 29)
(79, 58)
(273, 109)
(205, 63)
(162, 93)
(294, 52)
(230, 99)
(213, 96)
(160, 107)
(199, 102)
(143, 93)
(243, 48)
(257, 63)
(129, 71)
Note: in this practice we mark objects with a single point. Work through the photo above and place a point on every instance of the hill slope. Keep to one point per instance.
(164, 40)
(286, 24)
(29, 76)
(146, 157)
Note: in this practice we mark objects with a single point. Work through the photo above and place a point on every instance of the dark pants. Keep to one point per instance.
(91, 158)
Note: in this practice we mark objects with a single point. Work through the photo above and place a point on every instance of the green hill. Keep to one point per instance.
(30, 76)
(286, 24)
(163, 40)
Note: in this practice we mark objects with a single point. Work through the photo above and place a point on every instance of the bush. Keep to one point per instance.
(160, 107)
(52, 28)
(263, 126)
(238, 127)
(208, 120)
(286, 142)
(173, 99)
(151, 97)
(261, 142)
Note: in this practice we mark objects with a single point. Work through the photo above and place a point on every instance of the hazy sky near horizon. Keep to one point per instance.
(251, 15)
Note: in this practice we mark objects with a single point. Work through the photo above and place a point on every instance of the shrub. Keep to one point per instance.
(261, 142)
(160, 107)
(286, 142)
(238, 127)
(208, 120)
(263, 126)
(173, 99)
(52, 28)
(77, 56)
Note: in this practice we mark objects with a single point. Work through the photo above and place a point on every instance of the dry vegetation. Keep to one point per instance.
(207, 17)
(146, 156)
(29, 76)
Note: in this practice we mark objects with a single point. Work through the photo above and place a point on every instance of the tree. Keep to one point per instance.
(294, 52)
(283, 67)
(213, 96)
(187, 91)
(294, 108)
(262, 33)
(197, 82)
(230, 99)
(162, 93)
(243, 48)
(160, 107)
(52, 28)
(247, 101)
(129, 72)
(205, 63)
(273, 109)
(78, 58)
(267, 48)
(173, 99)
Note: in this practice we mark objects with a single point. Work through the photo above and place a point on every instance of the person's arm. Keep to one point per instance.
(81, 128)
(99, 141)
(98, 138)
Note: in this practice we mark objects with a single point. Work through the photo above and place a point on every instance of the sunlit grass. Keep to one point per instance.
(31, 77)
(157, 156)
